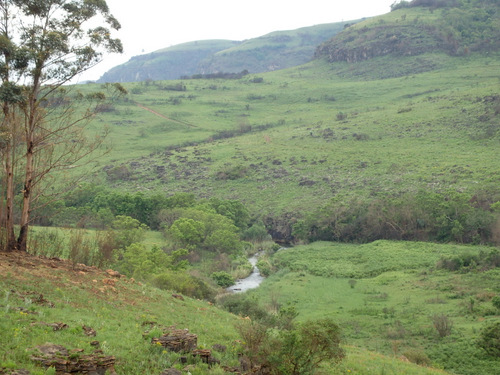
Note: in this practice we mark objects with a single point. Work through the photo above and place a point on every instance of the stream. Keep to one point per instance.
(250, 282)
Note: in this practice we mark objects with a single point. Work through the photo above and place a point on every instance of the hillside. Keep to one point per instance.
(277, 50)
(419, 27)
(168, 63)
(49, 306)
(381, 131)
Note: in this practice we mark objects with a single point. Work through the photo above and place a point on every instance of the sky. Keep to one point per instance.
(150, 25)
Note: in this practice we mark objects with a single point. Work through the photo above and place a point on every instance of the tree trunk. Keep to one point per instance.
(9, 154)
(22, 240)
(10, 243)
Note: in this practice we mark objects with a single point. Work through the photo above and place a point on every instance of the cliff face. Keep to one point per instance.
(456, 30)
(369, 42)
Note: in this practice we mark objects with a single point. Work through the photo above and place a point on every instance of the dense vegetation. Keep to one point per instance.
(388, 137)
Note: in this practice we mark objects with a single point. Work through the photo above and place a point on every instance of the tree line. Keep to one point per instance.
(448, 216)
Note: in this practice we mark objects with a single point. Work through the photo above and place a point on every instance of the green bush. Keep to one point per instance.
(417, 356)
(489, 339)
(294, 351)
(496, 302)
(183, 283)
(223, 279)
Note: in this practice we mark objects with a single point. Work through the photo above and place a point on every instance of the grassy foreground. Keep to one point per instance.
(37, 292)
(388, 296)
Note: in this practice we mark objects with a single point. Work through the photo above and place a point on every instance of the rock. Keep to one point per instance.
(112, 273)
(111, 282)
(206, 356)
(55, 326)
(178, 296)
(171, 371)
(219, 348)
(89, 331)
(64, 362)
(177, 340)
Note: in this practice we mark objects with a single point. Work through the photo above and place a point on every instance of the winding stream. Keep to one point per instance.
(250, 282)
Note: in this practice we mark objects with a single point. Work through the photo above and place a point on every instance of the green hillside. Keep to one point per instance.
(419, 27)
(168, 63)
(274, 51)
(377, 162)
(277, 50)
(106, 322)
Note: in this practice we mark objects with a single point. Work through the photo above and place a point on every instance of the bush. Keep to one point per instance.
(496, 302)
(240, 304)
(442, 324)
(223, 279)
(183, 283)
(489, 339)
(299, 350)
(417, 356)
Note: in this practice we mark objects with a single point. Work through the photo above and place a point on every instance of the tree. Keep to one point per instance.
(44, 44)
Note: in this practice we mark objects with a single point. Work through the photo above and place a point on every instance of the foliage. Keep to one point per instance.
(127, 231)
(184, 283)
(256, 233)
(298, 350)
(202, 227)
(444, 217)
(143, 264)
(489, 339)
(45, 44)
(443, 324)
(223, 279)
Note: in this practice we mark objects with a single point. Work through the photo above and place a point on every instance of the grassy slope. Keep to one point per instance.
(168, 63)
(118, 314)
(397, 291)
(433, 130)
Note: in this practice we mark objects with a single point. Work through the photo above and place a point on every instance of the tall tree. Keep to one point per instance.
(44, 44)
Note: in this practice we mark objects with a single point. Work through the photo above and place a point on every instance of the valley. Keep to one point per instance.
(366, 177)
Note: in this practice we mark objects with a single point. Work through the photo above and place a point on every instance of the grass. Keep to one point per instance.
(433, 130)
(118, 314)
(35, 292)
(389, 307)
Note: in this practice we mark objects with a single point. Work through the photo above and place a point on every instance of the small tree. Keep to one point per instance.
(442, 324)
(295, 351)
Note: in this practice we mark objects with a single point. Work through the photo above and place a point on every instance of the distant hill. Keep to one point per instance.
(277, 50)
(165, 64)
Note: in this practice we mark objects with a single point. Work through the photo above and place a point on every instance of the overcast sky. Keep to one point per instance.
(150, 25)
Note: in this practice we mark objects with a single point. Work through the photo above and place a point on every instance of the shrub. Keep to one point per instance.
(489, 339)
(496, 302)
(341, 116)
(182, 282)
(417, 356)
(223, 279)
(240, 304)
(265, 267)
(299, 350)
(442, 324)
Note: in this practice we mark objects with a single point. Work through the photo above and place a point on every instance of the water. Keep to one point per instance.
(250, 282)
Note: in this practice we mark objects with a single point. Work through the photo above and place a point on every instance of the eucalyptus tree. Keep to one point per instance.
(44, 44)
